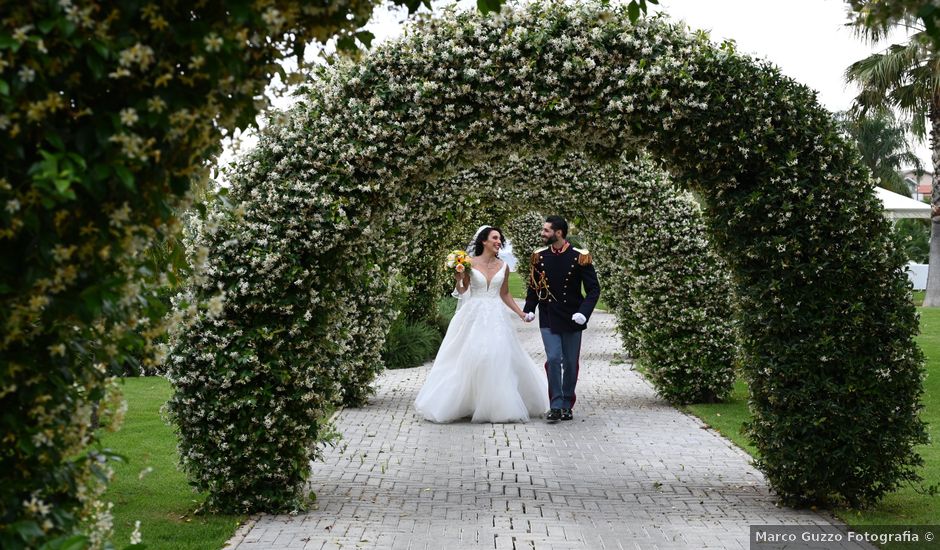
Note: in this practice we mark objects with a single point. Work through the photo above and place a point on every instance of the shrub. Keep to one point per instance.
(410, 344)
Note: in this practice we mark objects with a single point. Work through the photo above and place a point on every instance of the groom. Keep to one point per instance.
(555, 278)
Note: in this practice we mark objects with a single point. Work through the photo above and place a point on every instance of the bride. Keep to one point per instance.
(481, 370)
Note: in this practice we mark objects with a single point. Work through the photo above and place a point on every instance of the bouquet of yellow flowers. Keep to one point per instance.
(459, 261)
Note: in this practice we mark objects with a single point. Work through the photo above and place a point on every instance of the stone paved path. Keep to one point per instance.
(630, 472)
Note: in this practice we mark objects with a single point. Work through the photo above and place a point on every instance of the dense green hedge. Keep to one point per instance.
(671, 292)
(108, 112)
(525, 232)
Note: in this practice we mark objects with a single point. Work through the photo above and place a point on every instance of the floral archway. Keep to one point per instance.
(335, 204)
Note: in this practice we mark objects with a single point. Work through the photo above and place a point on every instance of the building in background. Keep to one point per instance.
(920, 187)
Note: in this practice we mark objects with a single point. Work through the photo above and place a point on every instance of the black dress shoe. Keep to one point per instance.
(553, 415)
(566, 414)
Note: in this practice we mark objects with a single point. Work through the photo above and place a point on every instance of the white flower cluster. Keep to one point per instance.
(525, 230)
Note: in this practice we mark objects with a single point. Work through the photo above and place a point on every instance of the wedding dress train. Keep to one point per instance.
(481, 370)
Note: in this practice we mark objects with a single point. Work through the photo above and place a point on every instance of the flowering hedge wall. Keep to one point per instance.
(671, 292)
(377, 148)
(524, 230)
(108, 111)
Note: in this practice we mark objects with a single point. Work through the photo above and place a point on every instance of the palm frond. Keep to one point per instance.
(874, 31)
(883, 145)
(913, 100)
(883, 71)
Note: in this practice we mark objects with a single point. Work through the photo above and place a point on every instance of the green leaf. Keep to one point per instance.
(46, 25)
(96, 65)
(6, 41)
(299, 49)
(101, 48)
(412, 5)
(4, 88)
(77, 159)
(63, 185)
(55, 140)
(487, 6)
(68, 28)
(346, 44)
(100, 172)
(67, 542)
(26, 529)
(634, 11)
(365, 37)
(127, 178)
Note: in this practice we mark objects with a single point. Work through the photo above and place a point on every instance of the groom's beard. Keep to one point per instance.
(550, 240)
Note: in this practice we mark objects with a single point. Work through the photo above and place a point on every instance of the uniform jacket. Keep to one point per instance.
(555, 282)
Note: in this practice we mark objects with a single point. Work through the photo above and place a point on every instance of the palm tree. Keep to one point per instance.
(884, 147)
(906, 77)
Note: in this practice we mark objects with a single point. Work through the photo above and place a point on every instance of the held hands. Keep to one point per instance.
(528, 317)
(579, 318)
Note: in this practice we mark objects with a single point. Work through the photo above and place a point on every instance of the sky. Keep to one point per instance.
(807, 39)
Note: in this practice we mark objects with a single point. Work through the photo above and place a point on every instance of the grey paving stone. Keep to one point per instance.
(630, 472)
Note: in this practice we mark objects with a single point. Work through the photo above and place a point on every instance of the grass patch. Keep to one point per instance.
(161, 500)
(517, 287)
(728, 417)
(905, 506)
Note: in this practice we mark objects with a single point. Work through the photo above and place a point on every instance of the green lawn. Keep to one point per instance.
(903, 506)
(517, 288)
(161, 499)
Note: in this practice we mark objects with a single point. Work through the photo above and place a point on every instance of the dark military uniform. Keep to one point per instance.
(555, 281)
(555, 287)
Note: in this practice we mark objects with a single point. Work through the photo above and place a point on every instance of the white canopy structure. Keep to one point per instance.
(898, 206)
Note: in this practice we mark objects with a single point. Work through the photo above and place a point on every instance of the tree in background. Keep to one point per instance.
(884, 147)
(906, 77)
(883, 14)
(915, 238)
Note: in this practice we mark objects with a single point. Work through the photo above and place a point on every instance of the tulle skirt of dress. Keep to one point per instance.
(481, 370)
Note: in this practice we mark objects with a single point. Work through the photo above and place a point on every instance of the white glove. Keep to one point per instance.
(529, 317)
(578, 318)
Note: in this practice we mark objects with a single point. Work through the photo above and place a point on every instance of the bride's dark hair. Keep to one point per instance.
(485, 234)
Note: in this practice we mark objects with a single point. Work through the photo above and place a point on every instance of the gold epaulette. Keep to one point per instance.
(536, 256)
(584, 257)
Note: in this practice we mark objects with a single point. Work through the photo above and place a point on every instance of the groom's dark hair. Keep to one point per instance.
(485, 234)
(558, 224)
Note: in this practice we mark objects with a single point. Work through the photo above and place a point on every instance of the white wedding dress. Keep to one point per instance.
(481, 370)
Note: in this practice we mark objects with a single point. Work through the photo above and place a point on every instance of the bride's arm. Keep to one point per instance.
(466, 281)
(507, 298)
